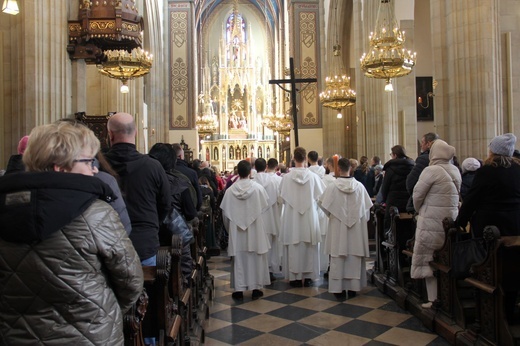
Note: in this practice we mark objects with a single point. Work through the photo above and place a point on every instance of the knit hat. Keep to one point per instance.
(22, 144)
(503, 144)
(470, 164)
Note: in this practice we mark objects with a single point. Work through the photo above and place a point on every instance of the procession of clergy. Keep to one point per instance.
(293, 224)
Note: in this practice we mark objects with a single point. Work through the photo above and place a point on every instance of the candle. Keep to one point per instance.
(336, 167)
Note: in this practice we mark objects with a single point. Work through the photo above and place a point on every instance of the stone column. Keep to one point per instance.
(305, 35)
(466, 55)
(183, 64)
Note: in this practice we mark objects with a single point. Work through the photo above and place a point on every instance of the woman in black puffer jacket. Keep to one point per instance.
(393, 189)
(68, 270)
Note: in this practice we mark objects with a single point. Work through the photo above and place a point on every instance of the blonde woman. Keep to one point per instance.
(69, 269)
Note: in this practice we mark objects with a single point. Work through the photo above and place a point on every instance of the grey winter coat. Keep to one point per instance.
(435, 196)
(68, 270)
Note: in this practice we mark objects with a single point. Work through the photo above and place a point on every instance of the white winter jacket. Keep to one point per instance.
(435, 196)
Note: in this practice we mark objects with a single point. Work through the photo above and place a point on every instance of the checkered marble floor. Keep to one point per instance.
(308, 316)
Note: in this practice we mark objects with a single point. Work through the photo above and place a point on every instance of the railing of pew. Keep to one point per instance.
(455, 301)
(379, 213)
(401, 230)
(496, 284)
(158, 314)
(133, 319)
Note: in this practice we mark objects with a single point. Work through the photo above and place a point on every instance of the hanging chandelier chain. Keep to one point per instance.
(387, 56)
(337, 93)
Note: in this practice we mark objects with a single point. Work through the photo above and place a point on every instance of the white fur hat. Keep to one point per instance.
(470, 164)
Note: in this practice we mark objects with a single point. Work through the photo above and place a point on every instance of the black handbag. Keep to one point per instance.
(176, 224)
(465, 254)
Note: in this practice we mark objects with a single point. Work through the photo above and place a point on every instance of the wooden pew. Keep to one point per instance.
(133, 319)
(396, 263)
(159, 310)
(377, 275)
(455, 304)
(500, 272)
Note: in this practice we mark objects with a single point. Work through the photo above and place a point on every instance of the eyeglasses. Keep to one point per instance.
(89, 162)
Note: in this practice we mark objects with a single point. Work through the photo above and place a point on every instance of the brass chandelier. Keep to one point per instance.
(337, 94)
(124, 65)
(387, 58)
(280, 122)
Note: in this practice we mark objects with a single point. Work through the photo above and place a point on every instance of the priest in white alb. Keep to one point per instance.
(300, 229)
(312, 160)
(271, 183)
(348, 204)
(242, 208)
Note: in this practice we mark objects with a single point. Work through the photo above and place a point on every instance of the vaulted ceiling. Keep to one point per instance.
(271, 8)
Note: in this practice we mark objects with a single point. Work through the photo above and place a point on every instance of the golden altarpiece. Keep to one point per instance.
(236, 100)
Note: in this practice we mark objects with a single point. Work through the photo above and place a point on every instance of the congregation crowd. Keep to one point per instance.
(72, 246)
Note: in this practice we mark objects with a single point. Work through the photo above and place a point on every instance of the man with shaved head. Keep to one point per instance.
(144, 186)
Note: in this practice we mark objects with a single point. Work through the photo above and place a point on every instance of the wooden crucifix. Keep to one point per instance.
(293, 80)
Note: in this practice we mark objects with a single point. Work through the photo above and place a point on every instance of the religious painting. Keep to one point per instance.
(238, 153)
(268, 152)
(207, 154)
(215, 153)
(260, 153)
(244, 151)
(231, 152)
(424, 97)
(252, 151)
(223, 152)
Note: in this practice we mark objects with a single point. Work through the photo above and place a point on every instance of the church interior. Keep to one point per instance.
(207, 73)
(237, 79)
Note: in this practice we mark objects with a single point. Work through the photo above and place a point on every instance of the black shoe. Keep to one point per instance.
(272, 277)
(307, 282)
(257, 294)
(326, 275)
(296, 283)
(238, 295)
(341, 295)
(352, 294)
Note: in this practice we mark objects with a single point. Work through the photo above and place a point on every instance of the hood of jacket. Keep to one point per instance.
(33, 205)
(346, 185)
(441, 152)
(242, 189)
(125, 159)
(300, 175)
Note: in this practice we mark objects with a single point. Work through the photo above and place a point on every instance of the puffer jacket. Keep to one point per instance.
(68, 271)
(435, 196)
(393, 188)
(422, 161)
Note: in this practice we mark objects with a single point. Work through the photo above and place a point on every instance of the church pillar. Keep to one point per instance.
(406, 100)
(305, 33)
(156, 83)
(79, 87)
(183, 64)
(35, 71)
(466, 54)
(45, 71)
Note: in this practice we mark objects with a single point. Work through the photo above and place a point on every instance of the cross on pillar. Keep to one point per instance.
(293, 80)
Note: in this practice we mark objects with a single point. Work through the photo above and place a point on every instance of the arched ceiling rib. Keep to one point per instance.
(273, 8)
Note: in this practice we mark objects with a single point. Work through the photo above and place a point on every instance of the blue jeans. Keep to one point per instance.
(152, 261)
